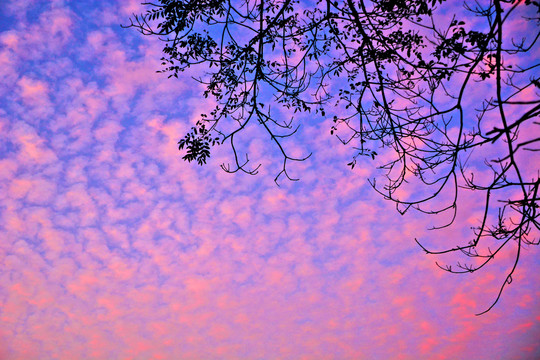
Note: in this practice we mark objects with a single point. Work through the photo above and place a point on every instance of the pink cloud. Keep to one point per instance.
(113, 247)
(33, 148)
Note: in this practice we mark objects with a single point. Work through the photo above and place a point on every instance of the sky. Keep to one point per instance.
(112, 247)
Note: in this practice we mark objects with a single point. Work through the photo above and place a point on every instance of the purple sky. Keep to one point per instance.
(112, 247)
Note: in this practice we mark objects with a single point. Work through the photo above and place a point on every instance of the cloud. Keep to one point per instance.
(113, 247)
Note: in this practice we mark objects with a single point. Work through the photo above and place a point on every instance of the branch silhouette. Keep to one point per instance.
(396, 76)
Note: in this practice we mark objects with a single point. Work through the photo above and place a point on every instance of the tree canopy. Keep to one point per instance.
(452, 92)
